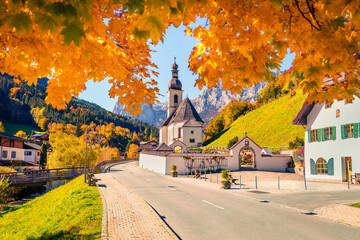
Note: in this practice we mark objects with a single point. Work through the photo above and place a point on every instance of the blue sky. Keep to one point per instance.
(175, 44)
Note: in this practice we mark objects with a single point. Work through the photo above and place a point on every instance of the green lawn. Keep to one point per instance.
(72, 211)
(356, 205)
(269, 125)
(12, 128)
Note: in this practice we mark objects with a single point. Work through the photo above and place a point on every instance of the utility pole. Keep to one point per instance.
(85, 153)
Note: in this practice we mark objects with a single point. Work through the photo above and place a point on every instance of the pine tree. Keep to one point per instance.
(43, 156)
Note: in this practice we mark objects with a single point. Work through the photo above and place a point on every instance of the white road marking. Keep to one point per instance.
(147, 179)
(212, 204)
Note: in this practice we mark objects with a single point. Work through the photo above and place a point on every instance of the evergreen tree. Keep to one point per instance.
(43, 156)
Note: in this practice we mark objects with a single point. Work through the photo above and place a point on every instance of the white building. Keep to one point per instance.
(183, 123)
(332, 143)
(17, 149)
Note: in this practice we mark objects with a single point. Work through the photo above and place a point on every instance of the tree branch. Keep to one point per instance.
(302, 13)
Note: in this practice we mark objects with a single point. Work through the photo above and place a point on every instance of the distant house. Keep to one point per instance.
(332, 139)
(148, 146)
(18, 151)
(11, 147)
(44, 137)
(32, 152)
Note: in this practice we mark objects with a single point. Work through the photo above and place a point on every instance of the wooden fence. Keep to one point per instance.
(15, 178)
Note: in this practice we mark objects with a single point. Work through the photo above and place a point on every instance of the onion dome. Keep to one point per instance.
(175, 82)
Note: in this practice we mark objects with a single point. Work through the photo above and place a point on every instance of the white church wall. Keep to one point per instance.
(192, 133)
(179, 162)
(154, 163)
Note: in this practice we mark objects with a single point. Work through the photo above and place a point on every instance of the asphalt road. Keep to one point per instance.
(195, 211)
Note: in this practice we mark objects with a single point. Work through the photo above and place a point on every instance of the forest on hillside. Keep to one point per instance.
(24, 104)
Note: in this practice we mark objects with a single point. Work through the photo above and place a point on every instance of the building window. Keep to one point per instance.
(192, 132)
(337, 113)
(192, 140)
(321, 166)
(349, 130)
(176, 98)
(314, 135)
(38, 153)
(328, 133)
(327, 105)
(4, 154)
(13, 154)
(27, 153)
(179, 132)
(12, 143)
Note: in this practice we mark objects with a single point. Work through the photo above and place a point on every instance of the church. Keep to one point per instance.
(183, 123)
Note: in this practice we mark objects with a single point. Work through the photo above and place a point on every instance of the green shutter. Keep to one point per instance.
(309, 136)
(333, 133)
(318, 135)
(330, 167)
(312, 167)
(343, 136)
(356, 130)
(323, 134)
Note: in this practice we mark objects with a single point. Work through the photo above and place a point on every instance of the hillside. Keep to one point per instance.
(13, 128)
(269, 125)
(72, 211)
(23, 107)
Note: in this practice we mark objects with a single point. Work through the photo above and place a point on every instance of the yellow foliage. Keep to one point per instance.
(21, 134)
(6, 169)
(242, 42)
(133, 151)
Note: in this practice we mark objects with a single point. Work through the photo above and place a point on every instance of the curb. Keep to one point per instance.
(104, 229)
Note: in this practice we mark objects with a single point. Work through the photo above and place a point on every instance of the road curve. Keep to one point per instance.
(195, 211)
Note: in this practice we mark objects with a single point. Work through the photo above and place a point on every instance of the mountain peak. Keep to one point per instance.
(208, 104)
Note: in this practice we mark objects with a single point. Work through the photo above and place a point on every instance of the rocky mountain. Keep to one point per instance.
(208, 104)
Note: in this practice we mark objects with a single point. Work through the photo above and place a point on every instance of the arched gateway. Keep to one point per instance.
(247, 158)
(247, 152)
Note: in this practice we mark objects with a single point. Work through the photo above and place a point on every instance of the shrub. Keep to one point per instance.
(173, 168)
(233, 141)
(291, 164)
(225, 174)
(6, 170)
(297, 142)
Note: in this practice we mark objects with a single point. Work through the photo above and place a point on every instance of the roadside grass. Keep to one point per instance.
(72, 211)
(269, 125)
(12, 128)
(356, 205)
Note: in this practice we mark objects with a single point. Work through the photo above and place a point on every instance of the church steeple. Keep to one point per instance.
(175, 89)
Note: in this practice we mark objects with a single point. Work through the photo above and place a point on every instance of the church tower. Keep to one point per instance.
(175, 90)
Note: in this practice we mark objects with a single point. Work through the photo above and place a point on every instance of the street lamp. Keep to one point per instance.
(86, 134)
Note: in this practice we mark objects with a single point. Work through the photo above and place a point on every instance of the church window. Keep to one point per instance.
(176, 99)
(192, 140)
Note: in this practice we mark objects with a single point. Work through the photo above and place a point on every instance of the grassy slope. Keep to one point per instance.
(12, 128)
(72, 211)
(269, 125)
